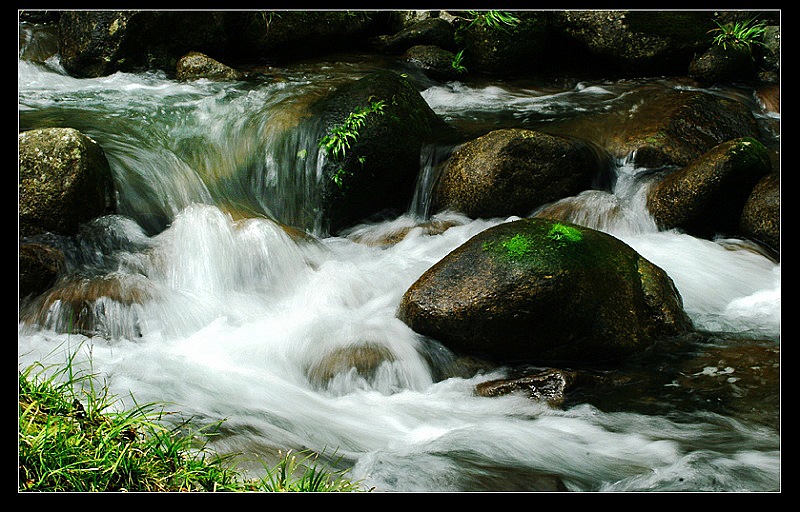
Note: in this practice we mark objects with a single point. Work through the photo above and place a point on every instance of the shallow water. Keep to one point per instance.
(242, 315)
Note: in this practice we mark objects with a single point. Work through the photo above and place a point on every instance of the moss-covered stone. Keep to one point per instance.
(539, 291)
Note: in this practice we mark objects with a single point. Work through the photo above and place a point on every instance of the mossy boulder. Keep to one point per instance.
(707, 197)
(64, 181)
(538, 291)
(381, 122)
(514, 171)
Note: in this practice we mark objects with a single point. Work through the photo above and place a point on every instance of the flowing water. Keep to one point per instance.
(241, 315)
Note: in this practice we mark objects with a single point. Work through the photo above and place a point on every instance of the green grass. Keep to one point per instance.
(71, 439)
(739, 34)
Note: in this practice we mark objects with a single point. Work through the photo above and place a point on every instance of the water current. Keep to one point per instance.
(240, 311)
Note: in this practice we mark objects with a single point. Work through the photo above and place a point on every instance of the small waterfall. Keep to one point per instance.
(432, 158)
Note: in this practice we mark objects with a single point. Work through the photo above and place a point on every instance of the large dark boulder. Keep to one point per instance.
(64, 181)
(515, 49)
(761, 215)
(514, 171)
(437, 63)
(279, 37)
(723, 64)
(538, 291)
(680, 127)
(381, 122)
(427, 32)
(98, 43)
(707, 197)
(644, 42)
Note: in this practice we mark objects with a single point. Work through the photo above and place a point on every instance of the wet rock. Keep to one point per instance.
(707, 197)
(769, 97)
(680, 127)
(761, 214)
(538, 291)
(719, 65)
(514, 171)
(364, 360)
(639, 42)
(39, 266)
(64, 181)
(93, 307)
(519, 48)
(377, 126)
(196, 65)
(99, 43)
(435, 62)
(427, 32)
(548, 386)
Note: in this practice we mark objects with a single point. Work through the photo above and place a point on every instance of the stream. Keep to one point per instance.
(238, 309)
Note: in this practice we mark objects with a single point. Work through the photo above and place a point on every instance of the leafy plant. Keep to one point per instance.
(499, 20)
(338, 140)
(739, 34)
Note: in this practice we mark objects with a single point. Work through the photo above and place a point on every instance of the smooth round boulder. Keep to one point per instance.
(537, 291)
(514, 171)
(707, 197)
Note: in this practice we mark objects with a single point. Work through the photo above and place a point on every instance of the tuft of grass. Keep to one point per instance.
(301, 472)
(458, 62)
(739, 34)
(71, 439)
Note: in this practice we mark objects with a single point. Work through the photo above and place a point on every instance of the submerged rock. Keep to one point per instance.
(539, 291)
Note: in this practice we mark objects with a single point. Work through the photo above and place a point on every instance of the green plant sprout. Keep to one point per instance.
(457, 63)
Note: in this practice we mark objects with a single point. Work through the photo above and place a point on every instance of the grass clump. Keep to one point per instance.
(72, 440)
(739, 34)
